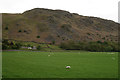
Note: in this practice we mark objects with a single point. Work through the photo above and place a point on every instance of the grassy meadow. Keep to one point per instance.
(35, 64)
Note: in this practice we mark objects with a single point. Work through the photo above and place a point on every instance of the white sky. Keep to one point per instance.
(107, 9)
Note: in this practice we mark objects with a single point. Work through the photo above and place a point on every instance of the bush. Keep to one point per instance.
(25, 31)
(70, 45)
(99, 42)
(18, 45)
(38, 36)
(38, 47)
(103, 38)
(6, 28)
(63, 46)
(58, 35)
(5, 42)
(28, 45)
(4, 46)
(53, 42)
(10, 45)
(88, 33)
(20, 31)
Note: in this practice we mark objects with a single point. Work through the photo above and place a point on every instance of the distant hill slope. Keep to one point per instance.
(46, 26)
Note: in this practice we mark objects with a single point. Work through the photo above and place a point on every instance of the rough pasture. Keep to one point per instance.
(33, 64)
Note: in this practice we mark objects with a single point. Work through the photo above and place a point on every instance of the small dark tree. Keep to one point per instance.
(38, 47)
(28, 45)
(63, 46)
(58, 35)
(88, 33)
(5, 41)
(38, 36)
(99, 42)
(10, 45)
(6, 28)
(4, 46)
(103, 38)
(25, 31)
(20, 31)
(53, 42)
(18, 45)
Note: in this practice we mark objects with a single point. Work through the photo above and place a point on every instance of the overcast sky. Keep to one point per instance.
(107, 9)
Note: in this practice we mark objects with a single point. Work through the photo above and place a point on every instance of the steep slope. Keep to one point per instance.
(45, 25)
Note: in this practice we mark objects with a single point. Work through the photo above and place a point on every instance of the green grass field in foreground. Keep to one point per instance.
(28, 64)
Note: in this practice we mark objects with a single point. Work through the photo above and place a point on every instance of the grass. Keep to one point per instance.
(34, 64)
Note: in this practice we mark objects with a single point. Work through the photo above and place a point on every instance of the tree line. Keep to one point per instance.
(6, 45)
(97, 46)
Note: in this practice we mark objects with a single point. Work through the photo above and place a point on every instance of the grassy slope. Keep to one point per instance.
(48, 25)
(38, 65)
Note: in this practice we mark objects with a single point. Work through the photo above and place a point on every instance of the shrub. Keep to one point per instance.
(103, 38)
(20, 31)
(53, 42)
(5, 41)
(10, 45)
(63, 45)
(99, 42)
(38, 36)
(6, 28)
(70, 45)
(63, 38)
(4, 46)
(88, 33)
(28, 45)
(38, 47)
(58, 35)
(25, 31)
(18, 45)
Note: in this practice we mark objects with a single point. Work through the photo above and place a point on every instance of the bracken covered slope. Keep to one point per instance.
(45, 25)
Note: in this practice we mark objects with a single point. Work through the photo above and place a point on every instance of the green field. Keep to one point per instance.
(33, 64)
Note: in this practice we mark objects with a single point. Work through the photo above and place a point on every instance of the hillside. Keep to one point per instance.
(45, 26)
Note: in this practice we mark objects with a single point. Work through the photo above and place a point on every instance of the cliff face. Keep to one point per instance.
(44, 25)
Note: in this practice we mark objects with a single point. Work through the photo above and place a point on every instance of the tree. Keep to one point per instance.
(4, 46)
(91, 46)
(6, 28)
(63, 45)
(20, 31)
(38, 36)
(18, 45)
(38, 47)
(10, 45)
(53, 42)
